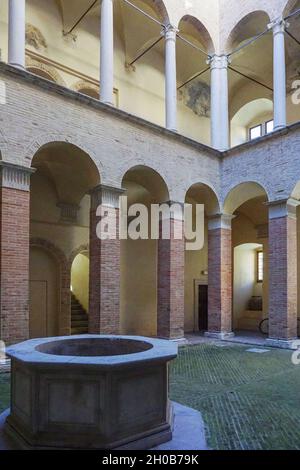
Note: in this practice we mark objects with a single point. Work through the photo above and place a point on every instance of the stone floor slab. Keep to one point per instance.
(188, 434)
(189, 431)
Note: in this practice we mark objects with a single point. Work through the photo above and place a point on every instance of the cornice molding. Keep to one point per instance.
(107, 196)
(15, 176)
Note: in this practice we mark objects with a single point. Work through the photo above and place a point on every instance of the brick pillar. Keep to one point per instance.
(170, 280)
(104, 301)
(14, 252)
(283, 272)
(219, 277)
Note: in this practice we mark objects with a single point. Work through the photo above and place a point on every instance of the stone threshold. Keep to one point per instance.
(240, 337)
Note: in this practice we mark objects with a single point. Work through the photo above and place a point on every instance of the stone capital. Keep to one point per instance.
(68, 212)
(169, 32)
(218, 62)
(107, 196)
(283, 208)
(278, 25)
(15, 176)
(176, 212)
(220, 221)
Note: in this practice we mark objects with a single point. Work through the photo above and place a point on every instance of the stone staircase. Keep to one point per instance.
(79, 317)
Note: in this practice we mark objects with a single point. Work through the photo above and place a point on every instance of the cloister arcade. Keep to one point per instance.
(161, 117)
(62, 226)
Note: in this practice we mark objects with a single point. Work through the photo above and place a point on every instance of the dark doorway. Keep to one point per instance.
(203, 308)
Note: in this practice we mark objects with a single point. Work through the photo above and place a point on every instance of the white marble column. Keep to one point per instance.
(279, 73)
(219, 102)
(170, 77)
(107, 52)
(16, 33)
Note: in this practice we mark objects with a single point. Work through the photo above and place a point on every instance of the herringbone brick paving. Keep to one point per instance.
(247, 400)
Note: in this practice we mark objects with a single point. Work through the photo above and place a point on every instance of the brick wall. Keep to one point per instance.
(104, 302)
(283, 278)
(114, 140)
(219, 281)
(170, 290)
(14, 265)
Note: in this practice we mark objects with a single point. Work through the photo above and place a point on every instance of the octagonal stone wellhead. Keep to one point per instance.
(90, 392)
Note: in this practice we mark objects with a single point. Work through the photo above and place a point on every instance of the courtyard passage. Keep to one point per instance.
(248, 400)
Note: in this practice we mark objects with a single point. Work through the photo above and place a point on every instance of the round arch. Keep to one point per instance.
(156, 8)
(43, 140)
(148, 178)
(80, 279)
(250, 114)
(72, 170)
(196, 260)
(140, 257)
(290, 7)
(202, 193)
(242, 193)
(86, 88)
(250, 109)
(85, 248)
(196, 30)
(247, 27)
(44, 71)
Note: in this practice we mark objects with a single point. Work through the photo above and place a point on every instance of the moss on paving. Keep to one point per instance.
(247, 400)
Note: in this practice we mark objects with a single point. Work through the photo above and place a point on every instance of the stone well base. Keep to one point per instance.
(188, 432)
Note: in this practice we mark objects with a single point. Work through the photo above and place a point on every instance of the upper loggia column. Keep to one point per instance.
(279, 73)
(16, 33)
(219, 102)
(107, 52)
(170, 77)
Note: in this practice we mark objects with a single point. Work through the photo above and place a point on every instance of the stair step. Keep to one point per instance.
(79, 331)
(79, 317)
(78, 310)
(79, 324)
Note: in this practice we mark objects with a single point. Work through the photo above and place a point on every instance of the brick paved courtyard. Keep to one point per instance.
(248, 400)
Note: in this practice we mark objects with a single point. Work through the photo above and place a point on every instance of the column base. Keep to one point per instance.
(107, 103)
(279, 128)
(218, 335)
(174, 340)
(283, 343)
(178, 340)
(18, 66)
